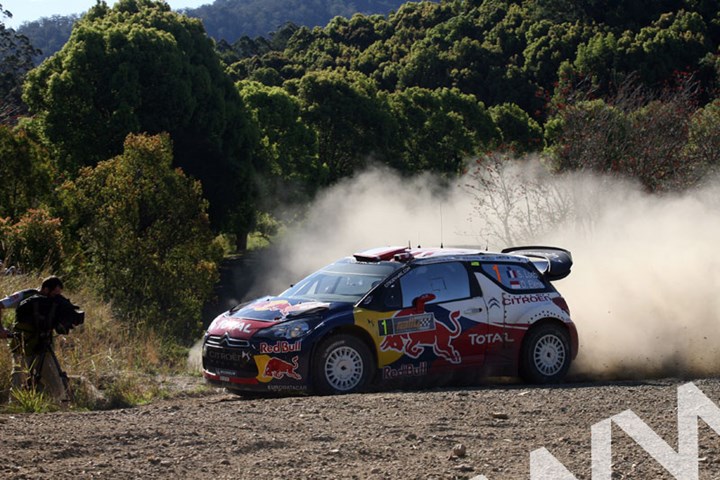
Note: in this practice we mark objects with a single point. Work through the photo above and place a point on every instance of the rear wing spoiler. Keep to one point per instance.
(552, 262)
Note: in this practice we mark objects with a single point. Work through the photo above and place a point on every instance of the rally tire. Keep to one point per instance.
(342, 364)
(545, 356)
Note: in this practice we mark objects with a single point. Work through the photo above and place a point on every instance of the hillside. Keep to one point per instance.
(226, 20)
(231, 19)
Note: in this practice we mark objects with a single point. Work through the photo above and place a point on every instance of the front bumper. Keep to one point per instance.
(255, 365)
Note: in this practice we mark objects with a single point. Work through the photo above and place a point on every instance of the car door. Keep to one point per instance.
(510, 288)
(429, 313)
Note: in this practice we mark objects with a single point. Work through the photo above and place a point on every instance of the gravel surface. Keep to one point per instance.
(445, 434)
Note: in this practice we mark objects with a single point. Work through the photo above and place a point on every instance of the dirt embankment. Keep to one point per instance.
(398, 435)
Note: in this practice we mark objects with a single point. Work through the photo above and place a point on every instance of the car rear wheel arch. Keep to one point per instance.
(556, 337)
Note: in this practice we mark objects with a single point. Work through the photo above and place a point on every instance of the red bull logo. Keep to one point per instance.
(271, 305)
(280, 347)
(285, 308)
(278, 368)
(440, 339)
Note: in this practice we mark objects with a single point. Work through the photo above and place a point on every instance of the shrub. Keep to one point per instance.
(35, 242)
(145, 237)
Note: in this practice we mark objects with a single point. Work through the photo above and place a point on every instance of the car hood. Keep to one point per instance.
(265, 312)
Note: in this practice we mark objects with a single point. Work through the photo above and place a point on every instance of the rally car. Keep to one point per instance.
(395, 316)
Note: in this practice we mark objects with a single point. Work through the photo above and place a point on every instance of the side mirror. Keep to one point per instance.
(419, 302)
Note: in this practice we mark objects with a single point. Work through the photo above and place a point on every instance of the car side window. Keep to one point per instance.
(514, 276)
(447, 281)
(392, 297)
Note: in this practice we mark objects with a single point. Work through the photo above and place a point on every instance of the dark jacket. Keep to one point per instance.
(35, 320)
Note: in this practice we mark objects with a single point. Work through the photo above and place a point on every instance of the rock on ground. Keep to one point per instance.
(393, 435)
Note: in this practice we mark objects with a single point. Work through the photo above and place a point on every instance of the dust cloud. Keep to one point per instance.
(643, 291)
(194, 360)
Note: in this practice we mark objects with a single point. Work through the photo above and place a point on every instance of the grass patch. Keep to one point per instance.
(110, 363)
(30, 401)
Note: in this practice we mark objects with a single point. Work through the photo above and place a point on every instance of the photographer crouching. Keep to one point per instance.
(38, 314)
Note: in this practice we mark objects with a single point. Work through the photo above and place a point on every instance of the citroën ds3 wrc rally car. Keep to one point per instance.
(396, 316)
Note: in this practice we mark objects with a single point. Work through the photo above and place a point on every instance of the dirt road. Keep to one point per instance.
(397, 435)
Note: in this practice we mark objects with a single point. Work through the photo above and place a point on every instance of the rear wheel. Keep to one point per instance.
(545, 354)
(342, 364)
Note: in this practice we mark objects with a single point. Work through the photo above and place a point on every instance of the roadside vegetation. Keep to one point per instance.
(143, 152)
(110, 363)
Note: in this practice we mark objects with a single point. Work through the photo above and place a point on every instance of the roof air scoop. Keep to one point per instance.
(379, 254)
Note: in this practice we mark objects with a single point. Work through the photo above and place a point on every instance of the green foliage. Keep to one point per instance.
(674, 42)
(30, 401)
(349, 118)
(26, 172)
(34, 243)
(145, 238)
(506, 51)
(288, 146)
(138, 67)
(596, 57)
(438, 129)
(48, 34)
(524, 60)
(128, 389)
(655, 140)
(5, 373)
(704, 136)
(520, 133)
(16, 54)
(549, 44)
(229, 20)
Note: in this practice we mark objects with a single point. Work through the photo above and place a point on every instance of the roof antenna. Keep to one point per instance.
(441, 227)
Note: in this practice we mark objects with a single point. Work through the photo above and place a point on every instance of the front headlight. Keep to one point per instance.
(287, 330)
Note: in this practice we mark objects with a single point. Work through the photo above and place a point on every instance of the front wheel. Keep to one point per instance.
(342, 364)
(545, 354)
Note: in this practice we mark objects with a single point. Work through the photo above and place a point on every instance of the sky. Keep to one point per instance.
(29, 10)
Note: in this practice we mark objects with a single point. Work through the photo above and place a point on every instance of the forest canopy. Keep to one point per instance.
(250, 130)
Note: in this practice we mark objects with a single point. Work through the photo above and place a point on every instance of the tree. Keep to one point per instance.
(635, 134)
(48, 34)
(519, 132)
(26, 173)
(674, 42)
(34, 243)
(589, 135)
(438, 129)
(548, 45)
(348, 117)
(288, 145)
(139, 67)
(16, 59)
(659, 135)
(517, 200)
(143, 236)
(704, 137)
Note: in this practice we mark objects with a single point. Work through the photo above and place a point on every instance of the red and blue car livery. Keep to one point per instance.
(396, 316)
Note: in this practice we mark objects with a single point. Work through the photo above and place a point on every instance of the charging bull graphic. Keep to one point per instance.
(277, 368)
(440, 339)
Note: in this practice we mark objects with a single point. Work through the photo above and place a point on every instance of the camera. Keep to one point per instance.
(67, 315)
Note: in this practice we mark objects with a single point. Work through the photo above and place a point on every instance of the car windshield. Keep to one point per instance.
(343, 281)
